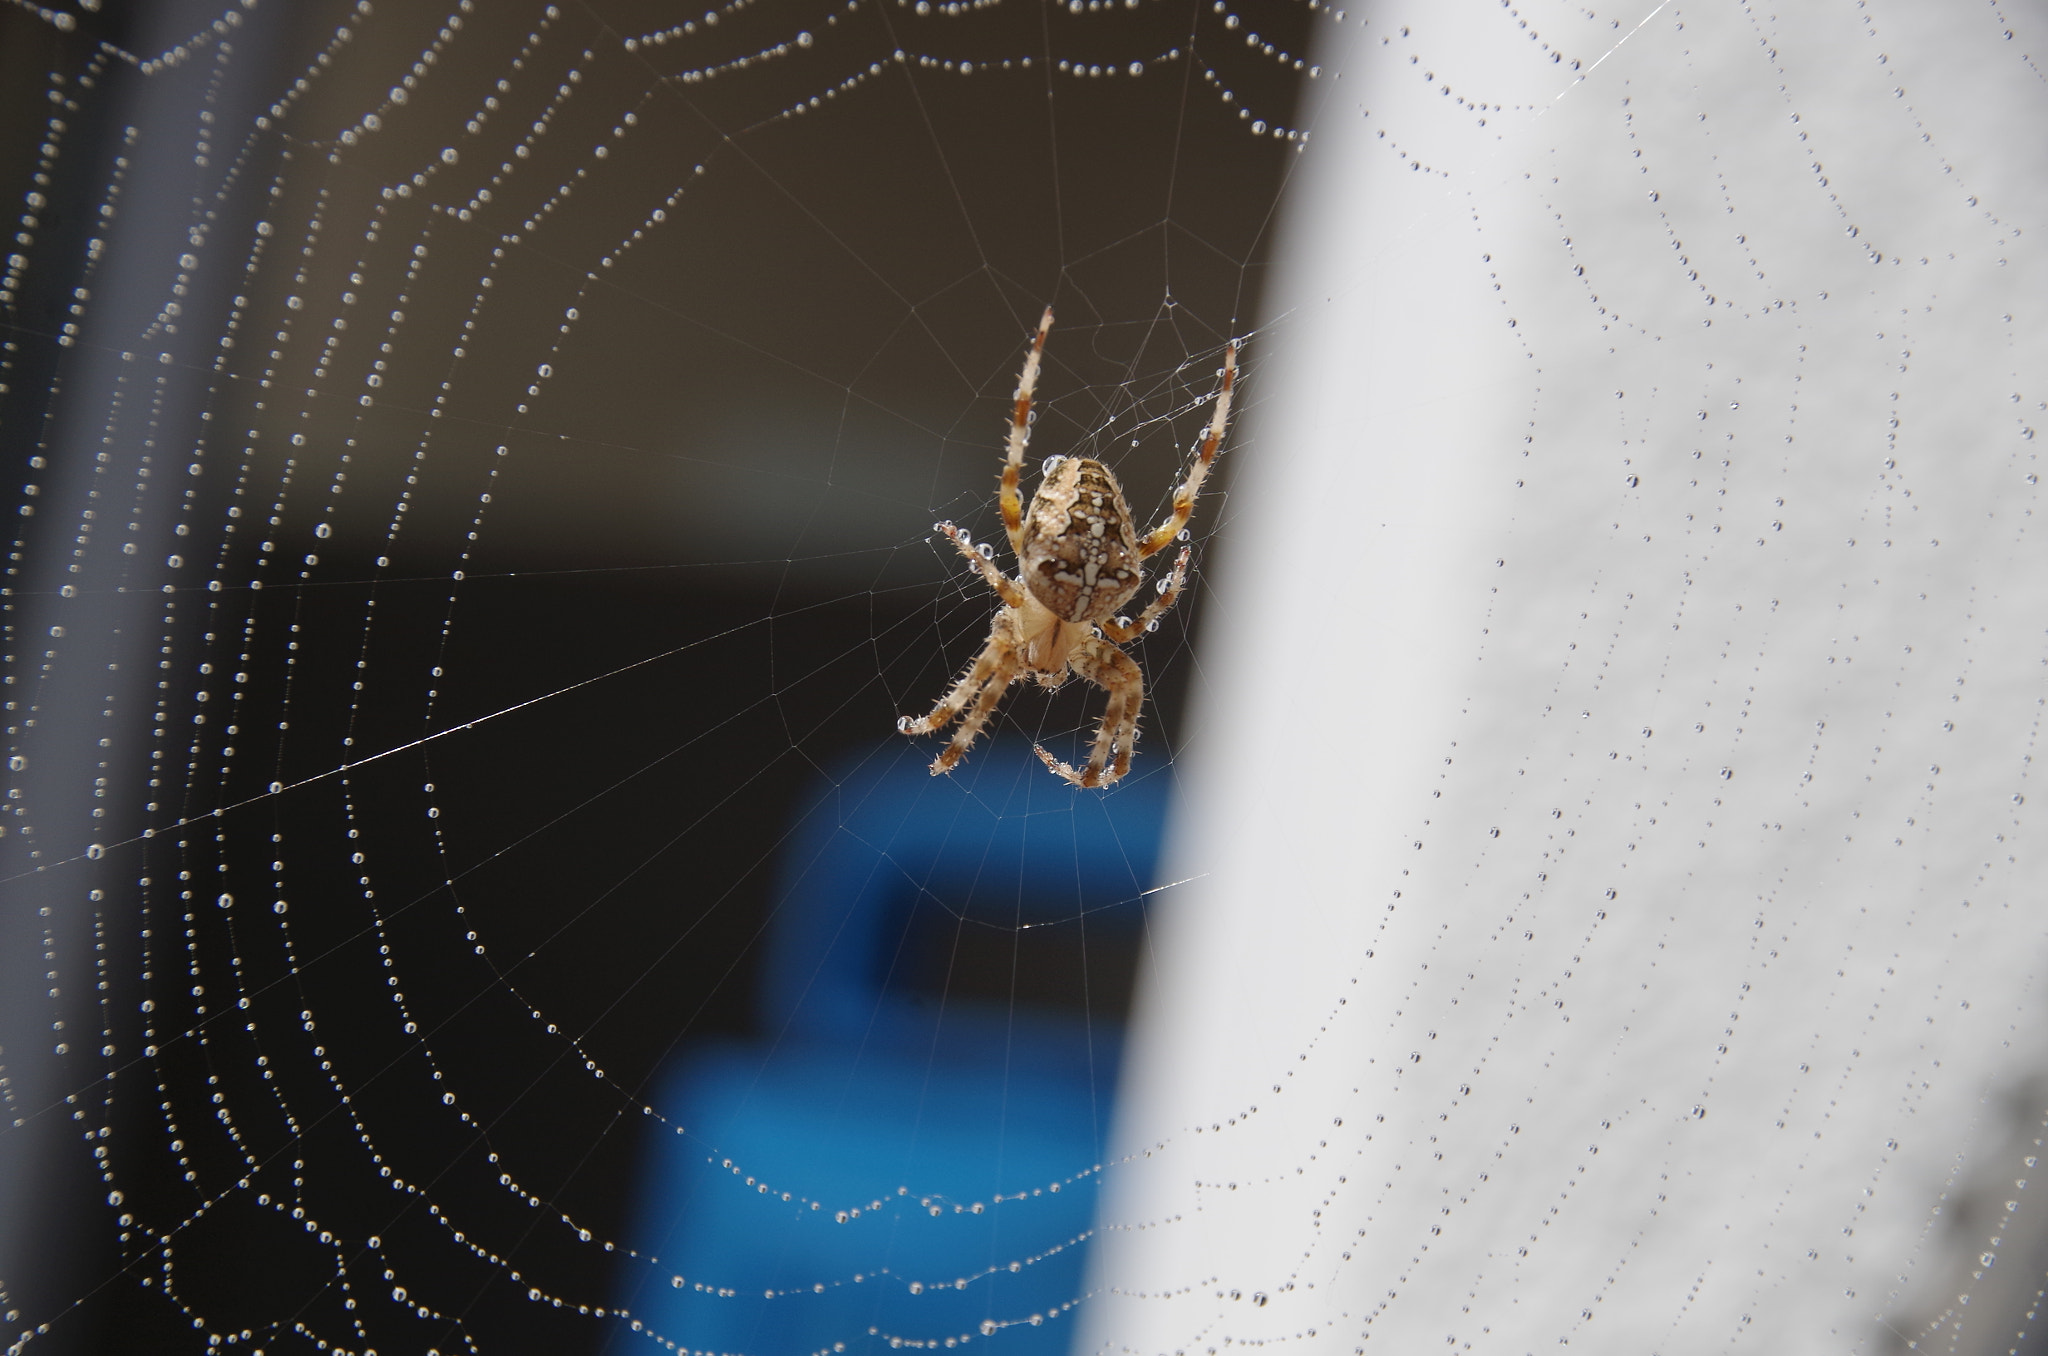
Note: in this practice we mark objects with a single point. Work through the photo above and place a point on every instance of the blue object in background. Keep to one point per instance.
(908, 1073)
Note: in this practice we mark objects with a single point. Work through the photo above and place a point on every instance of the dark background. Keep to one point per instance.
(704, 577)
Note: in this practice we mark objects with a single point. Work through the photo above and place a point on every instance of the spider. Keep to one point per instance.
(1077, 563)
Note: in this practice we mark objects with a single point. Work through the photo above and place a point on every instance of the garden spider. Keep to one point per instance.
(1077, 563)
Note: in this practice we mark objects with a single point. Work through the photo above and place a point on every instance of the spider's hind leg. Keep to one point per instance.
(1006, 589)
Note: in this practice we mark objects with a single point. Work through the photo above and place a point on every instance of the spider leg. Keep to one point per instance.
(1120, 632)
(999, 651)
(1006, 589)
(1020, 437)
(1184, 498)
(1005, 673)
(1117, 674)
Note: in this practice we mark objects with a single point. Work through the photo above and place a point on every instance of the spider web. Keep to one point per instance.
(477, 470)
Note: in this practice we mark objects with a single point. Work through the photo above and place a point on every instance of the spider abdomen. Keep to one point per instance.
(1080, 551)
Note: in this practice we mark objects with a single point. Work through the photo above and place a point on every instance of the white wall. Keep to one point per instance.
(1724, 1103)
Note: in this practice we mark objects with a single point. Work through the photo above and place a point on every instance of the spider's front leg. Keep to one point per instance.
(999, 682)
(995, 668)
(1117, 674)
(1120, 630)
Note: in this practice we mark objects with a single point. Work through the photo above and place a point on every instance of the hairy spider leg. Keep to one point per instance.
(1117, 631)
(1184, 497)
(1001, 648)
(1020, 438)
(1005, 588)
(1117, 674)
(1006, 668)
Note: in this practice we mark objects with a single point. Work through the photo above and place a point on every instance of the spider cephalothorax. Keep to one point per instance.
(1079, 559)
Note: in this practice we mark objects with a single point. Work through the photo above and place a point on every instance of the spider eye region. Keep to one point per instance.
(1080, 553)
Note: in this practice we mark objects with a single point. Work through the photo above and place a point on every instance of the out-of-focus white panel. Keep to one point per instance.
(1610, 919)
